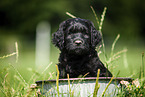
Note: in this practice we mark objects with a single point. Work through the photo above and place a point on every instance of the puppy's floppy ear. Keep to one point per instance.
(58, 36)
(95, 36)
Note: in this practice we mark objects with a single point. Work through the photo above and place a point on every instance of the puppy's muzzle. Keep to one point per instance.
(78, 42)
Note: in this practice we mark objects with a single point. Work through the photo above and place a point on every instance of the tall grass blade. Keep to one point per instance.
(116, 55)
(114, 43)
(12, 54)
(100, 24)
(33, 77)
(95, 15)
(141, 75)
(102, 19)
(85, 75)
(70, 92)
(69, 14)
(107, 87)
(143, 64)
(122, 51)
(82, 78)
(46, 68)
(97, 86)
(17, 52)
(57, 80)
(19, 74)
(9, 55)
(4, 87)
(118, 73)
(100, 29)
(69, 83)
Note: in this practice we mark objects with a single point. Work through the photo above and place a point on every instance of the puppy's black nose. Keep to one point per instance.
(78, 42)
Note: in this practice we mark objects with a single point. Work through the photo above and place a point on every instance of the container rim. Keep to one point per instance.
(87, 78)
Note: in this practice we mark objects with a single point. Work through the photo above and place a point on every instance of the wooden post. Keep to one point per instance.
(43, 31)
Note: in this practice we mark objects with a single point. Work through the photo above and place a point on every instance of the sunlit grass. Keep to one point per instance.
(13, 84)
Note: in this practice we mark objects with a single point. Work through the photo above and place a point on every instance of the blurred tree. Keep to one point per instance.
(21, 17)
(123, 16)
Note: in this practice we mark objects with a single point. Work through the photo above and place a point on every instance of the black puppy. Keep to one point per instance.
(77, 39)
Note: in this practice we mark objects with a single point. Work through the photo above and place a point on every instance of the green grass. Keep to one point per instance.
(18, 74)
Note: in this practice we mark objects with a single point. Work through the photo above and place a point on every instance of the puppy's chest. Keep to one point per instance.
(78, 65)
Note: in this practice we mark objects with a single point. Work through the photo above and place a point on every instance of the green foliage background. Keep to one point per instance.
(21, 17)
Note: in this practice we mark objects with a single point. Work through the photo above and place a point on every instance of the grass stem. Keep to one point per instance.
(69, 14)
(19, 75)
(107, 87)
(95, 15)
(71, 93)
(97, 86)
(143, 64)
(17, 52)
(102, 19)
(114, 43)
(57, 80)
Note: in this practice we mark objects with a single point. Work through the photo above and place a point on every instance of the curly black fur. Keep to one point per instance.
(77, 38)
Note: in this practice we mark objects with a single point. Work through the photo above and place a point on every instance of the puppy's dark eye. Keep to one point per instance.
(70, 31)
(87, 32)
(86, 36)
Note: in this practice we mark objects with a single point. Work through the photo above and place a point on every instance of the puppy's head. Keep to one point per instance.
(76, 36)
